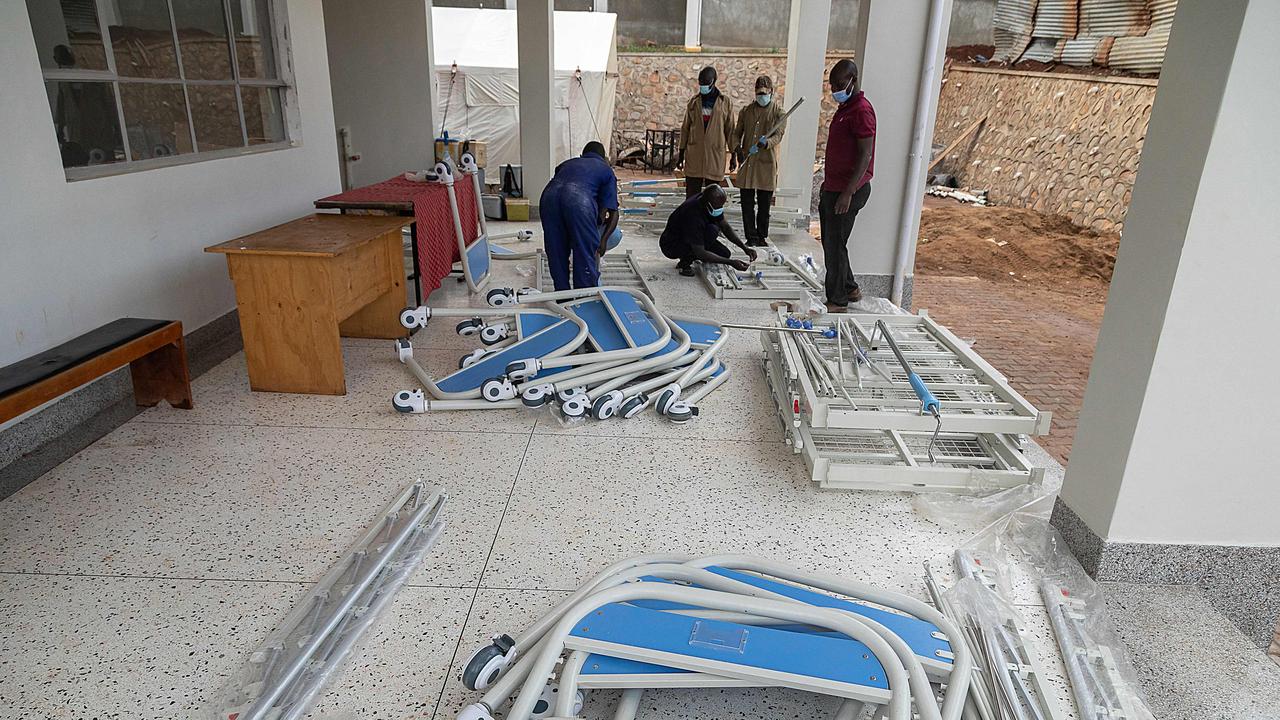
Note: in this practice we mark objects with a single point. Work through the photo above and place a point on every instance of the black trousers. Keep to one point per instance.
(677, 249)
(835, 230)
(755, 213)
(693, 186)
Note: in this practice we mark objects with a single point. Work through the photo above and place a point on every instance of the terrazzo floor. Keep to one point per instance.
(135, 576)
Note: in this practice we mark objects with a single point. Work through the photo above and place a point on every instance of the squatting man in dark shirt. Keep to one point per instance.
(692, 231)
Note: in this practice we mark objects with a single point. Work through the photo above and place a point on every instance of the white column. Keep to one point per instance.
(692, 24)
(379, 70)
(510, 4)
(891, 68)
(806, 77)
(1182, 410)
(600, 6)
(535, 36)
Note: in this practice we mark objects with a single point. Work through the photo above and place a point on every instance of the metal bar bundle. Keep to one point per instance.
(773, 277)
(616, 270)
(288, 671)
(906, 407)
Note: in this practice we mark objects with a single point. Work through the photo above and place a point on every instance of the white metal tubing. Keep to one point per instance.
(896, 676)
(962, 665)
(913, 197)
(629, 704)
(648, 363)
(264, 702)
(705, 389)
(569, 683)
(640, 351)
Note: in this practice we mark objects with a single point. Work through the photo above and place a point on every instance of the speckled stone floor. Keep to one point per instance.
(136, 575)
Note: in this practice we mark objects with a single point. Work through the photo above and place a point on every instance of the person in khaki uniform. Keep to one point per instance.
(705, 135)
(755, 145)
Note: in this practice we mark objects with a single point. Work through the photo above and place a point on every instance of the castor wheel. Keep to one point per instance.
(467, 328)
(575, 407)
(606, 406)
(487, 663)
(499, 297)
(633, 406)
(519, 370)
(414, 318)
(681, 412)
(567, 394)
(475, 711)
(472, 358)
(409, 401)
(497, 389)
(669, 395)
(545, 704)
(491, 334)
(537, 395)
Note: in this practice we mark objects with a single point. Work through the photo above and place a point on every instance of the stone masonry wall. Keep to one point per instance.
(1062, 144)
(653, 89)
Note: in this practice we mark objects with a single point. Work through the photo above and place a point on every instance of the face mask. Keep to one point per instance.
(717, 212)
(704, 89)
(842, 96)
(764, 100)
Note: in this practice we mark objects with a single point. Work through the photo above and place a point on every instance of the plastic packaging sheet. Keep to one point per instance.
(282, 678)
(986, 508)
(1102, 675)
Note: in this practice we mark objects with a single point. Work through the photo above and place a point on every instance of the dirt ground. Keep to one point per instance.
(1028, 289)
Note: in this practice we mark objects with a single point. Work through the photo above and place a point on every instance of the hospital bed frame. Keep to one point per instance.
(617, 269)
(853, 380)
(727, 621)
(773, 276)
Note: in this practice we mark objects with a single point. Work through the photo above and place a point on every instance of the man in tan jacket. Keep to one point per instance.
(755, 145)
(705, 135)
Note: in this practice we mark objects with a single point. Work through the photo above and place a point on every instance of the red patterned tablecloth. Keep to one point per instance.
(437, 246)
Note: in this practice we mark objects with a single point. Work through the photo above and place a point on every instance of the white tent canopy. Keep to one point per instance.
(482, 100)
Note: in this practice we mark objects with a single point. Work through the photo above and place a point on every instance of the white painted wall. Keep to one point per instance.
(1182, 412)
(74, 255)
(380, 71)
(890, 74)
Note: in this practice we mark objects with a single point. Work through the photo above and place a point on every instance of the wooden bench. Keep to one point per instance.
(153, 349)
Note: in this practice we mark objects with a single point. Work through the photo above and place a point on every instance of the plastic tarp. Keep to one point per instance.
(482, 100)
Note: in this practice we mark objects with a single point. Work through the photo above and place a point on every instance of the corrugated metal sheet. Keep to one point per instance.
(1140, 54)
(1041, 50)
(1080, 52)
(1115, 18)
(1056, 19)
(1009, 45)
(1015, 16)
(1162, 12)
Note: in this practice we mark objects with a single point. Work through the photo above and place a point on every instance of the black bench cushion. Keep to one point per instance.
(73, 352)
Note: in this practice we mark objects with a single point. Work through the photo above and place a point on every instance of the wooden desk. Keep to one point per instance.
(301, 285)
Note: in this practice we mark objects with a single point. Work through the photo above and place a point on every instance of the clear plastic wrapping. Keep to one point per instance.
(283, 676)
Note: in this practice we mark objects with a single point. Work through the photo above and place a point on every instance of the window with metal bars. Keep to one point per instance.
(134, 84)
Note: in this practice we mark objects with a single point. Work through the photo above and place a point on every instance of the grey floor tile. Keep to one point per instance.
(251, 503)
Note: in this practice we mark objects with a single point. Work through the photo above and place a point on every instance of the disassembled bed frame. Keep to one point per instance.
(1009, 679)
(897, 402)
(727, 621)
(646, 204)
(774, 276)
(285, 674)
(617, 269)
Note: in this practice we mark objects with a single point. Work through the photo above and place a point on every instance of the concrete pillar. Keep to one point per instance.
(600, 6)
(1177, 425)
(1171, 476)
(806, 77)
(379, 74)
(692, 24)
(535, 36)
(891, 66)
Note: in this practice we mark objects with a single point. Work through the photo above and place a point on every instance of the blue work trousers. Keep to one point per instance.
(570, 229)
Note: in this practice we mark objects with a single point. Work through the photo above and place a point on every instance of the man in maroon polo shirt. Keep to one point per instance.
(850, 162)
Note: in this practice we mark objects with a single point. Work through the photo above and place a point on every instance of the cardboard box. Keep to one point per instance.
(518, 209)
(477, 148)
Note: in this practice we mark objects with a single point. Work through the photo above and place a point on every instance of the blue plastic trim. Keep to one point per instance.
(478, 259)
(837, 659)
(928, 403)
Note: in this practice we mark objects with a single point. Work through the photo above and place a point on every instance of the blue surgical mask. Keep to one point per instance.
(704, 89)
(842, 96)
(764, 100)
(717, 212)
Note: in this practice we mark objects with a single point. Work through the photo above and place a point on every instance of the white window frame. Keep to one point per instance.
(284, 82)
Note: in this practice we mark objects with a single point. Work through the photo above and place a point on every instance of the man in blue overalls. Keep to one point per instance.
(579, 209)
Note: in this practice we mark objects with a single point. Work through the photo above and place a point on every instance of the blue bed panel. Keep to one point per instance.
(536, 346)
(478, 258)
